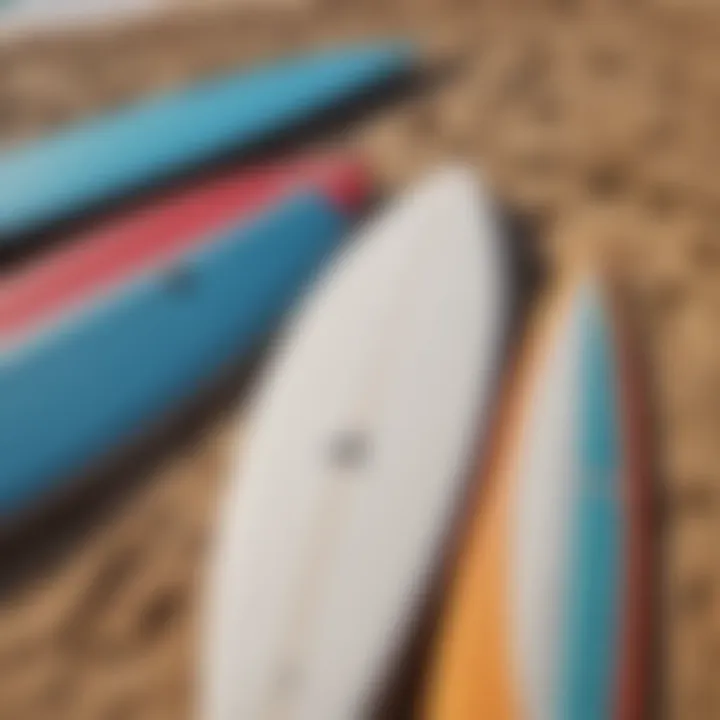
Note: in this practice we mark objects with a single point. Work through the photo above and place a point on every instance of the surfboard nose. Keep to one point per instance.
(108, 157)
(545, 617)
(124, 247)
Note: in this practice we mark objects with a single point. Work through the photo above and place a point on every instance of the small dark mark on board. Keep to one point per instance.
(180, 280)
(287, 680)
(349, 450)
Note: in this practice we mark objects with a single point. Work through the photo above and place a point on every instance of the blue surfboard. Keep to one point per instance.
(109, 156)
(70, 395)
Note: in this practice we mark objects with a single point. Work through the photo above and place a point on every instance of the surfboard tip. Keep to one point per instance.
(350, 187)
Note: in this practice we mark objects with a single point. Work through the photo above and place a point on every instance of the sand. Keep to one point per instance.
(599, 121)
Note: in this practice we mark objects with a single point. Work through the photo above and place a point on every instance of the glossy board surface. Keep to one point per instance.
(87, 267)
(376, 396)
(104, 158)
(73, 393)
(541, 619)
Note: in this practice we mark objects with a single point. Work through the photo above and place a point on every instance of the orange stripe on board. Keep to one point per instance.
(473, 675)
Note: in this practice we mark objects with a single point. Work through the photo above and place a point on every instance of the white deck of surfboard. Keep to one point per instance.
(21, 17)
(545, 497)
(355, 462)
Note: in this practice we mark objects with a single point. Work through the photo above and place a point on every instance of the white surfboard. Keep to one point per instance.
(355, 462)
(23, 17)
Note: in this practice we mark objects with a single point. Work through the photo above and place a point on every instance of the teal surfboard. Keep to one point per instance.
(74, 392)
(107, 157)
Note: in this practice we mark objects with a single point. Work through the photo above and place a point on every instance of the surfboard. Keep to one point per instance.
(542, 617)
(19, 18)
(107, 157)
(341, 499)
(101, 379)
(156, 234)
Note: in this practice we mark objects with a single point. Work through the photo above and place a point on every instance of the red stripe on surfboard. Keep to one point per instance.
(157, 233)
(635, 662)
